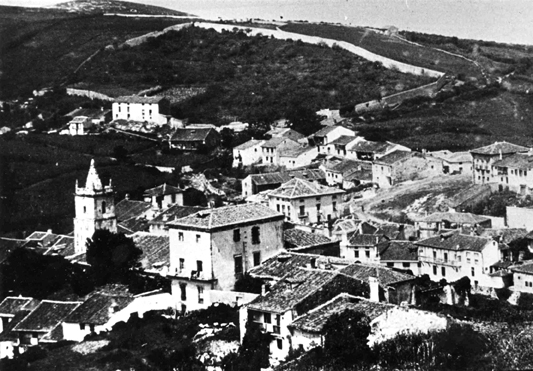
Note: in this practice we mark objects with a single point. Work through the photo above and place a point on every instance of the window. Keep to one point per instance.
(238, 264)
(199, 266)
(268, 318)
(302, 210)
(173, 198)
(318, 199)
(446, 257)
(473, 272)
(183, 287)
(435, 270)
(334, 206)
(182, 264)
(237, 234)
(104, 205)
(277, 208)
(85, 209)
(255, 235)
(434, 255)
(200, 294)
(82, 326)
(459, 257)
(257, 258)
(197, 238)
(356, 253)
(406, 265)
(443, 271)
(180, 236)
(390, 265)
(280, 343)
(367, 253)
(91, 328)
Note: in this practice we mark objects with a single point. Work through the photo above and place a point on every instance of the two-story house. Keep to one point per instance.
(484, 158)
(163, 196)
(431, 225)
(455, 162)
(272, 148)
(211, 249)
(341, 146)
(452, 256)
(337, 172)
(400, 166)
(136, 108)
(515, 173)
(303, 202)
(297, 157)
(284, 133)
(327, 135)
(367, 150)
(248, 153)
(194, 139)
(255, 183)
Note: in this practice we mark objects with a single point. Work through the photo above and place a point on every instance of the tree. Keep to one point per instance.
(254, 352)
(112, 256)
(346, 336)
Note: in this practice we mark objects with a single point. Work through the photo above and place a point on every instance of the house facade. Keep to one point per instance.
(303, 202)
(163, 196)
(79, 125)
(272, 148)
(327, 135)
(337, 173)
(248, 153)
(431, 225)
(135, 108)
(455, 162)
(194, 139)
(213, 248)
(484, 158)
(255, 183)
(366, 150)
(515, 173)
(452, 256)
(297, 157)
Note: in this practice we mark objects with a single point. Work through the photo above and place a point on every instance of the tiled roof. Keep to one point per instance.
(285, 133)
(394, 157)
(96, 309)
(63, 246)
(315, 320)
(456, 241)
(276, 141)
(191, 135)
(12, 304)
(349, 165)
(518, 161)
(251, 143)
(138, 224)
(155, 248)
(459, 218)
(292, 289)
(326, 130)
(46, 316)
(139, 99)
(455, 156)
(93, 113)
(505, 235)
(297, 187)
(37, 236)
(299, 238)
(175, 212)
(286, 262)
(365, 239)
(162, 190)
(398, 251)
(369, 146)
(279, 178)
(363, 174)
(227, 216)
(523, 268)
(127, 209)
(295, 152)
(8, 334)
(385, 276)
(343, 140)
(499, 147)
(346, 225)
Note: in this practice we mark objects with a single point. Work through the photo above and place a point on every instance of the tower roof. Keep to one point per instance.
(93, 180)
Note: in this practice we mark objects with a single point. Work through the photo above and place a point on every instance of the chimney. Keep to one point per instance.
(263, 289)
(374, 288)
(49, 231)
(127, 196)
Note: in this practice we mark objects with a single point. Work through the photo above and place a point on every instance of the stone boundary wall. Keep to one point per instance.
(89, 94)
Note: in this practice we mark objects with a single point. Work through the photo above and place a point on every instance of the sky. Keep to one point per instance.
(498, 20)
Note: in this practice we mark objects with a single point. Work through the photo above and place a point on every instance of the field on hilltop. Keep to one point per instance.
(255, 79)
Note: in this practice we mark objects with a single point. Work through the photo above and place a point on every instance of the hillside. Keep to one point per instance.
(113, 6)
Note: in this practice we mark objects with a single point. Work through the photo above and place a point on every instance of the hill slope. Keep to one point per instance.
(114, 6)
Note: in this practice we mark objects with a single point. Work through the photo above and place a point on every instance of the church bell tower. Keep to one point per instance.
(95, 209)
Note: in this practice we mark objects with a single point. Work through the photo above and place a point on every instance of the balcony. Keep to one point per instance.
(303, 216)
(193, 275)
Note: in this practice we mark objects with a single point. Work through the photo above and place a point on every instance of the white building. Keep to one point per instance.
(211, 249)
(248, 153)
(297, 157)
(79, 125)
(325, 136)
(484, 158)
(304, 202)
(272, 148)
(135, 108)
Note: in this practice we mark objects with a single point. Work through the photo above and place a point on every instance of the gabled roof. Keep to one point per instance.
(8, 334)
(369, 146)
(127, 209)
(279, 177)
(139, 99)
(454, 156)
(46, 316)
(459, 218)
(363, 174)
(191, 135)
(385, 276)
(291, 290)
(398, 251)
(315, 320)
(299, 238)
(346, 225)
(175, 212)
(276, 141)
(221, 217)
(137, 224)
(456, 242)
(93, 113)
(297, 187)
(526, 267)
(517, 161)
(365, 240)
(12, 304)
(162, 190)
(251, 143)
(155, 249)
(295, 152)
(349, 165)
(328, 129)
(285, 133)
(96, 309)
(343, 140)
(394, 157)
(499, 147)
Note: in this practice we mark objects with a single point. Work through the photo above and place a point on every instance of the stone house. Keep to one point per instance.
(272, 148)
(514, 173)
(158, 225)
(297, 240)
(163, 196)
(213, 248)
(453, 255)
(194, 139)
(431, 225)
(340, 146)
(284, 133)
(400, 166)
(363, 247)
(135, 108)
(303, 202)
(337, 173)
(248, 153)
(297, 157)
(366, 150)
(455, 162)
(484, 158)
(256, 183)
(79, 125)
(523, 277)
(327, 135)
(401, 255)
